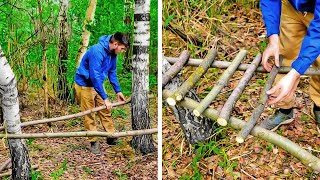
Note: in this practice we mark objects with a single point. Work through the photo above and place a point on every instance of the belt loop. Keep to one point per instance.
(305, 13)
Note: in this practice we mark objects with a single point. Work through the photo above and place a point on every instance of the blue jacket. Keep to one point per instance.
(98, 63)
(310, 48)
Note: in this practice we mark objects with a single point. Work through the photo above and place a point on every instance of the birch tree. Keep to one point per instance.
(85, 33)
(140, 80)
(10, 107)
(63, 91)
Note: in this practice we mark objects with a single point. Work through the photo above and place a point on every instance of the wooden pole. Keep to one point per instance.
(295, 150)
(80, 114)
(176, 68)
(236, 93)
(223, 81)
(190, 82)
(245, 131)
(80, 134)
(242, 67)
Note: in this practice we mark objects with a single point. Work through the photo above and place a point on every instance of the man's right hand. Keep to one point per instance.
(272, 50)
(108, 104)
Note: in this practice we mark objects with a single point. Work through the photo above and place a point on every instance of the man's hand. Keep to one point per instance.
(285, 88)
(271, 50)
(108, 104)
(120, 97)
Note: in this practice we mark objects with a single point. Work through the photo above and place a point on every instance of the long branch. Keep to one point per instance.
(223, 81)
(79, 134)
(236, 93)
(304, 156)
(242, 67)
(80, 114)
(245, 131)
(175, 69)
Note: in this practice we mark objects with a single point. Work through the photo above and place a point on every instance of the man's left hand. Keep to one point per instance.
(285, 88)
(120, 97)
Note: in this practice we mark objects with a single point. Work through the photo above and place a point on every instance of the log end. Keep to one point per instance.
(222, 121)
(239, 139)
(179, 97)
(171, 101)
(196, 113)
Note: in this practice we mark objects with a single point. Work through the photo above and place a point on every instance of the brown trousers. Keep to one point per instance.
(293, 27)
(88, 98)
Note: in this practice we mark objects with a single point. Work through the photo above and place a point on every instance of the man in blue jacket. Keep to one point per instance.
(293, 30)
(98, 63)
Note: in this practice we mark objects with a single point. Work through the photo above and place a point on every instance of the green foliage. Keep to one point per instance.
(120, 174)
(29, 141)
(36, 175)
(56, 175)
(117, 113)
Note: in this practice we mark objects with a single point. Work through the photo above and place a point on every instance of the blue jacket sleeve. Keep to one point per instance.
(271, 12)
(112, 75)
(95, 61)
(310, 48)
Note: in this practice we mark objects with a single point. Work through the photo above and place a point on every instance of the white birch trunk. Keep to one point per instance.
(10, 107)
(85, 33)
(140, 81)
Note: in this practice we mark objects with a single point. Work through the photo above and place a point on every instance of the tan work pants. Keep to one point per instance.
(293, 28)
(88, 98)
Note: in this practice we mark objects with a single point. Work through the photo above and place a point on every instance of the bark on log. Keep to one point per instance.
(85, 33)
(223, 81)
(80, 114)
(80, 134)
(191, 81)
(196, 129)
(140, 74)
(10, 106)
(176, 68)
(236, 93)
(242, 67)
(5, 164)
(304, 156)
(245, 131)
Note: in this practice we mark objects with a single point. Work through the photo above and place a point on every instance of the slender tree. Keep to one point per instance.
(10, 107)
(85, 33)
(128, 23)
(63, 90)
(44, 44)
(140, 80)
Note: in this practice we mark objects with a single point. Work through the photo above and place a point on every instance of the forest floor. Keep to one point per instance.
(236, 26)
(70, 158)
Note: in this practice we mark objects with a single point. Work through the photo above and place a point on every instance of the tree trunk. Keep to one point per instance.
(223, 81)
(180, 93)
(85, 33)
(242, 67)
(236, 93)
(128, 22)
(196, 129)
(63, 90)
(140, 87)
(10, 107)
(44, 44)
(303, 155)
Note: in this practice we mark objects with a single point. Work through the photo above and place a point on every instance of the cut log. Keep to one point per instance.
(195, 129)
(223, 81)
(176, 68)
(236, 93)
(245, 131)
(195, 77)
(80, 114)
(295, 150)
(80, 134)
(242, 67)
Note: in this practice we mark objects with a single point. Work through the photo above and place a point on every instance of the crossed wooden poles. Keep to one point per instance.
(224, 116)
